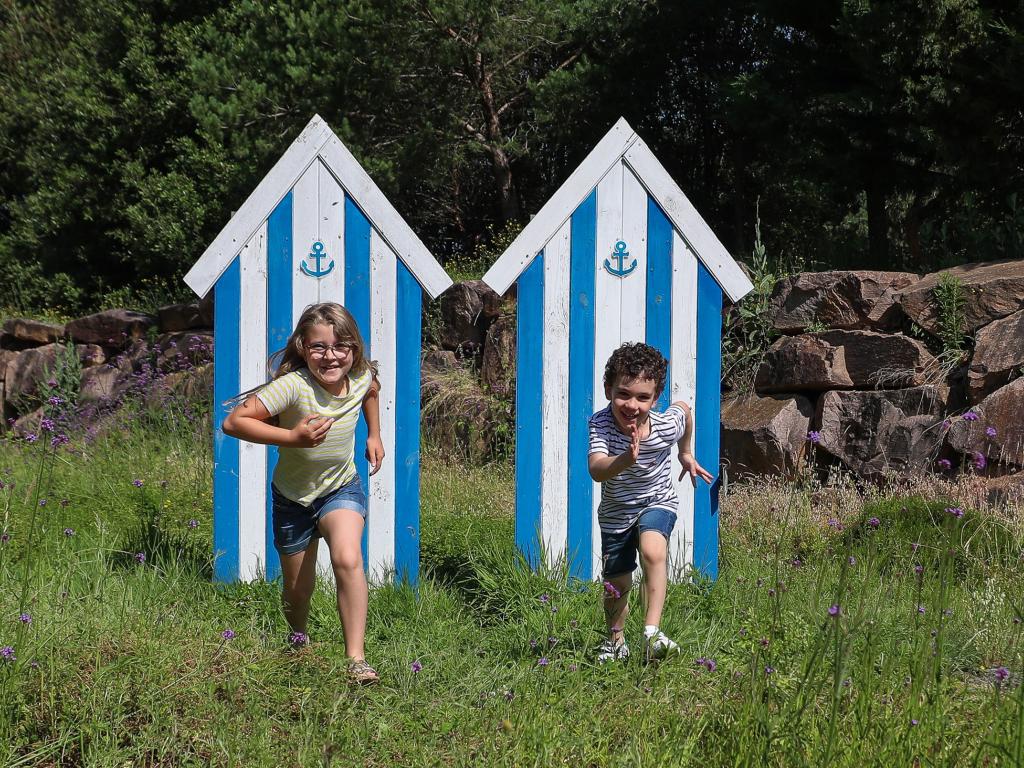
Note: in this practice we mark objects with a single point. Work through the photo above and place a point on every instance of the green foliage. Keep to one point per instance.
(950, 298)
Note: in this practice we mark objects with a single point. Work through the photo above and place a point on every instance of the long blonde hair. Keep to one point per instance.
(290, 357)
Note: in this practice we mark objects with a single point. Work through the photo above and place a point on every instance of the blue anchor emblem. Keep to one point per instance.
(317, 254)
(620, 256)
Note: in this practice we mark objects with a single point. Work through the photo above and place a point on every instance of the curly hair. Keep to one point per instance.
(636, 361)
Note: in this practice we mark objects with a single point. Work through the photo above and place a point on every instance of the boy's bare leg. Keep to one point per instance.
(343, 530)
(654, 558)
(616, 609)
(298, 572)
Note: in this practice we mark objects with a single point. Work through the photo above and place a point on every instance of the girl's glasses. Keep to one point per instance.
(319, 350)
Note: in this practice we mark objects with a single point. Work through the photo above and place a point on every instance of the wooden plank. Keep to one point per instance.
(555, 395)
(687, 221)
(632, 326)
(280, 270)
(226, 335)
(385, 219)
(529, 425)
(383, 342)
(332, 234)
(305, 232)
(684, 387)
(607, 287)
(357, 302)
(560, 207)
(257, 207)
(658, 299)
(406, 458)
(581, 544)
(252, 470)
(707, 419)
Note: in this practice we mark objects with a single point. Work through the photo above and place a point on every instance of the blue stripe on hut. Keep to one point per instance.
(317, 228)
(620, 246)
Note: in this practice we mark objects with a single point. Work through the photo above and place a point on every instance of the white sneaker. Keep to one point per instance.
(659, 646)
(609, 651)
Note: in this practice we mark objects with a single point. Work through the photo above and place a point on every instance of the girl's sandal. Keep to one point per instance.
(361, 672)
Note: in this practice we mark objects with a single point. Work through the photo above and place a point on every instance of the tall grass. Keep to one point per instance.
(141, 660)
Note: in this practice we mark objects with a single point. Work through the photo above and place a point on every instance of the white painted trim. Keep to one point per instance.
(384, 218)
(380, 545)
(252, 371)
(557, 210)
(305, 231)
(554, 518)
(258, 206)
(332, 234)
(633, 295)
(684, 387)
(687, 221)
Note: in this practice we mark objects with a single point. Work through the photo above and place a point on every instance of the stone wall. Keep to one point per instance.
(869, 392)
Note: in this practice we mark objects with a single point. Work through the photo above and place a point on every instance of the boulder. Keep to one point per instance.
(883, 430)
(439, 360)
(180, 317)
(33, 331)
(90, 355)
(998, 356)
(6, 356)
(1002, 412)
(32, 366)
(882, 360)
(467, 311)
(98, 383)
(801, 364)
(183, 350)
(845, 300)
(992, 290)
(765, 435)
(498, 370)
(206, 310)
(110, 328)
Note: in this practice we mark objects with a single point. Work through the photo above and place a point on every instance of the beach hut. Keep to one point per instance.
(316, 228)
(617, 254)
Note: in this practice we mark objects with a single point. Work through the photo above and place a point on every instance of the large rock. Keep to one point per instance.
(998, 355)
(802, 364)
(32, 366)
(182, 351)
(1002, 411)
(883, 430)
(6, 356)
(33, 331)
(765, 435)
(111, 328)
(844, 300)
(992, 290)
(98, 383)
(498, 369)
(467, 311)
(180, 317)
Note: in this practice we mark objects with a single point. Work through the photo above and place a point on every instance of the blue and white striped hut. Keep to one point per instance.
(617, 254)
(316, 228)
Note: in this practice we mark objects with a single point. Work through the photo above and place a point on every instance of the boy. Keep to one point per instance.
(630, 455)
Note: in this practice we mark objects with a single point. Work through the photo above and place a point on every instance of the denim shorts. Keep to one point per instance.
(618, 550)
(295, 525)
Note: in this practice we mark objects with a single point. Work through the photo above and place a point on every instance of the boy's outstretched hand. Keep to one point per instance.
(693, 469)
(634, 442)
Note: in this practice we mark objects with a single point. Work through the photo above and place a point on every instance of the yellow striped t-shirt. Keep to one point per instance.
(303, 474)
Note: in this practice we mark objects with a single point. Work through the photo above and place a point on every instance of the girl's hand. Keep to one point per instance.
(693, 469)
(374, 453)
(309, 434)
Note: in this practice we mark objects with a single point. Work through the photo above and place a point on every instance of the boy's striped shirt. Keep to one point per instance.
(303, 474)
(648, 483)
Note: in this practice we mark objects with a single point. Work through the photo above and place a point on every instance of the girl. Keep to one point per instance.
(310, 410)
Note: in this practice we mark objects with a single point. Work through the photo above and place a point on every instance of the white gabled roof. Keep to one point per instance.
(620, 144)
(317, 140)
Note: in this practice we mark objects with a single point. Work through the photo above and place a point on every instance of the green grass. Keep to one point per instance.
(124, 663)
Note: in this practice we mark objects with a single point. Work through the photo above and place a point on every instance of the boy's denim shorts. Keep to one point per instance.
(295, 525)
(618, 550)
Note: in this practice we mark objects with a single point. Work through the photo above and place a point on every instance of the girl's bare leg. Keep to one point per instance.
(343, 531)
(299, 574)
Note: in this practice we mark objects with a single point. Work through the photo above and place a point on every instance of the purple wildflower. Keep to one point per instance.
(970, 416)
(990, 432)
(51, 383)
(42, 502)
(137, 483)
(834, 524)
(913, 721)
(945, 464)
(140, 557)
(193, 524)
(918, 569)
(298, 639)
(920, 609)
(611, 591)
(5, 537)
(771, 593)
(7, 654)
(814, 436)
(46, 425)
(543, 661)
(956, 512)
(833, 610)
(31, 437)
(979, 462)
(851, 560)
(914, 546)
(572, 667)
(545, 599)
(874, 522)
(69, 532)
(25, 618)
(533, 644)
(416, 667)
(554, 608)
(58, 440)
(1002, 674)
(228, 634)
(54, 400)
(796, 562)
(769, 670)
(552, 642)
